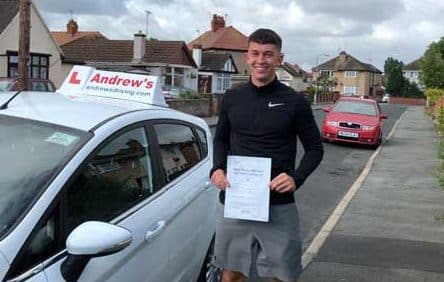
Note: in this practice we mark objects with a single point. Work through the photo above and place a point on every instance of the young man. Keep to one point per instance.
(263, 118)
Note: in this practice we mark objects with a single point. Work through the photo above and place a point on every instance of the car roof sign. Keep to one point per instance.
(88, 81)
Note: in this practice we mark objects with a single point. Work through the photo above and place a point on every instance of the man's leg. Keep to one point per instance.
(232, 276)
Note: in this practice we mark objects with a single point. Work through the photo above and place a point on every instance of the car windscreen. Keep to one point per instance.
(31, 153)
(355, 107)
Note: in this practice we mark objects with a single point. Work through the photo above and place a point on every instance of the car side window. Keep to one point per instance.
(42, 244)
(118, 177)
(203, 142)
(179, 148)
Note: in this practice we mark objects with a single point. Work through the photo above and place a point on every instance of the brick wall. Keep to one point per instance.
(408, 101)
(197, 107)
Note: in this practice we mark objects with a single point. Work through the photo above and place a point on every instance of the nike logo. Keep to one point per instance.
(271, 105)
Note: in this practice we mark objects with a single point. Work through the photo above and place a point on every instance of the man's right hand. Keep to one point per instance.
(219, 179)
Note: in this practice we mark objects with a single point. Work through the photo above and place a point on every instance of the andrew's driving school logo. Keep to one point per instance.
(85, 80)
(114, 80)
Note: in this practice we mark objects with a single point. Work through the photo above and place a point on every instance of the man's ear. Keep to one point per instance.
(280, 58)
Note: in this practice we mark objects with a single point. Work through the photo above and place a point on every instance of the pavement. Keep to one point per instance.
(393, 227)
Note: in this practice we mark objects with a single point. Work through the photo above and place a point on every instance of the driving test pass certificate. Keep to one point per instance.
(248, 195)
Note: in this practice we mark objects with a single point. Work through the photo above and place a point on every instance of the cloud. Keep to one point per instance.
(83, 7)
(370, 30)
(363, 10)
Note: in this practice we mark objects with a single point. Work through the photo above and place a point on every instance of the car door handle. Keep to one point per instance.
(154, 230)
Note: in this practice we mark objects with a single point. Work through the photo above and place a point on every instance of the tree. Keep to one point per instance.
(394, 81)
(326, 83)
(411, 89)
(431, 65)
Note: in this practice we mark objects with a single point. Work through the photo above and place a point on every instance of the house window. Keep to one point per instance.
(12, 64)
(223, 82)
(174, 76)
(39, 65)
(350, 90)
(351, 74)
(327, 73)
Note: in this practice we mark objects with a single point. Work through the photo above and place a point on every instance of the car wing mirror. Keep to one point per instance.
(92, 239)
(383, 116)
(107, 239)
(326, 109)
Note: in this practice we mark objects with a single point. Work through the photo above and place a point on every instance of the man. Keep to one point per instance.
(263, 118)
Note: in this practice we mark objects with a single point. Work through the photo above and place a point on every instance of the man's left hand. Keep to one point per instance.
(282, 183)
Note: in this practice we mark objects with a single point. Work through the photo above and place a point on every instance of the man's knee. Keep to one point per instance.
(232, 276)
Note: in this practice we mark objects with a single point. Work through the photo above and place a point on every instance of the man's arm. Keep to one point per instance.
(310, 137)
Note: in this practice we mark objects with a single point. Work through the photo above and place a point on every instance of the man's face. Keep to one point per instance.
(263, 59)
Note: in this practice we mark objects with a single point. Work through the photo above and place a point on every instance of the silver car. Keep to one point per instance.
(103, 190)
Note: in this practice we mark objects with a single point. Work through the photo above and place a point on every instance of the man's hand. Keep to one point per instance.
(282, 183)
(219, 179)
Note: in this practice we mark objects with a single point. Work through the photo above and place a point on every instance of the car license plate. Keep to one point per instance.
(348, 134)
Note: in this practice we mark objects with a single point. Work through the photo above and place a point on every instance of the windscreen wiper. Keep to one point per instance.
(5, 105)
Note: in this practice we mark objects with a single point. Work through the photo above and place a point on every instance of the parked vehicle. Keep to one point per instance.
(172, 92)
(353, 120)
(385, 98)
(102, 189)
(34, 84)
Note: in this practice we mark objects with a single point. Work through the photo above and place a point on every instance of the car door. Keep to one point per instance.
(117, 183)
(183, 149)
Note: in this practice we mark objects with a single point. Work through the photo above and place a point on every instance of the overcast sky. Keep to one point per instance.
(370, 30)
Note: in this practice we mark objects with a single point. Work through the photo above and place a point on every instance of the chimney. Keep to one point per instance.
(197, 54)
(342, 56)
(72, 27)
(139, 46)
(217, 22)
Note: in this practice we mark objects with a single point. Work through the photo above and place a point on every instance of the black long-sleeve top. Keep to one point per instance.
(265, 122)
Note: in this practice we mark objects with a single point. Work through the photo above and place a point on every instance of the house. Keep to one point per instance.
(352, 77)
(225, 39)
(215, 70)
(45, 53)
(170, 59)
(72, 33)
(411, 72)
(292, 76)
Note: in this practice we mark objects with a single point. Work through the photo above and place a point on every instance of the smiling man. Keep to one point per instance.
(263, 118)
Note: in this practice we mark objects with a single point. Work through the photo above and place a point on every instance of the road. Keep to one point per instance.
(341, 165)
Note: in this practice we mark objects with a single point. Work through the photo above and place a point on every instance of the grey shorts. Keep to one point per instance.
(265, 249)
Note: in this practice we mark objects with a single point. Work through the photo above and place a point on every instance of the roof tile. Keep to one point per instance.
(8, 10)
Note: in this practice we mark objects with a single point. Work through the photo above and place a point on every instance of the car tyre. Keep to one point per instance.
(209, 272)
(378, 143)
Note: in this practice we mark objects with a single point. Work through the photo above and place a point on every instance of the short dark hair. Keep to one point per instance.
(266, 36)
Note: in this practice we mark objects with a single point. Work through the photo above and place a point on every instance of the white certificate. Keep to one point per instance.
(248, 196)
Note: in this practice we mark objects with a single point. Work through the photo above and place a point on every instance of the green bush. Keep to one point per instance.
(433, 94)
(190, 95)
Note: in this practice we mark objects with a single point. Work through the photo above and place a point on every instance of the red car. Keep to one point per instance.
(353, 120)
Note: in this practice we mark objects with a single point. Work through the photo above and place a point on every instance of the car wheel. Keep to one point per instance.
(376, 145)
(209, 272)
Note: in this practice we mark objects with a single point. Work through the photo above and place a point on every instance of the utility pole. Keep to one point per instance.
(148, 13)
(315, 98)
(24, 42)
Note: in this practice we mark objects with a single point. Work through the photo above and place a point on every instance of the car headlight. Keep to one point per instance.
(367, 127)
(333, 123)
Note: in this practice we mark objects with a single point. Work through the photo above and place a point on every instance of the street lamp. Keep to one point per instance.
(148, 13)
(315, 99)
